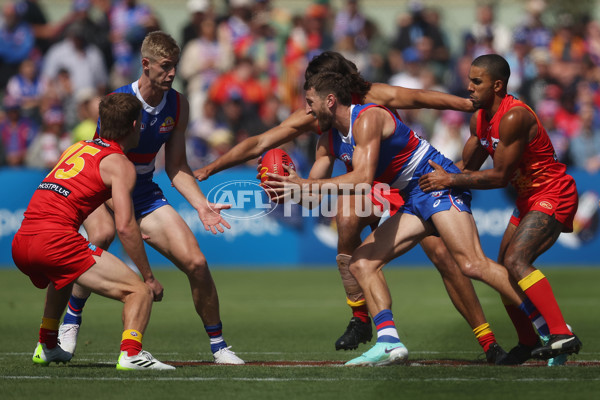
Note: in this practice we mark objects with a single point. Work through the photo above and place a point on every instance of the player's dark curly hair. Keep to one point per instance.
(330, 61)
(495, 65)
(331, 82)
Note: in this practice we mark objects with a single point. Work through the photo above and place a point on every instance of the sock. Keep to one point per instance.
(535, 317)
(538, 290)
(522, 324)
(49, 332)
(359, 309)
(74, 310)
(485, 336)
(386, 329)
(131, 342)
(215, 333)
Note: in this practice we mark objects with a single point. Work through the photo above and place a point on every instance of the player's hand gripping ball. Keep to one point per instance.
(273, 162)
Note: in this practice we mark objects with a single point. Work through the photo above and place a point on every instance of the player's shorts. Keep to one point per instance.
(389, 200)
(561, 200)
(147, 196)
(57, 257)
(424, 205)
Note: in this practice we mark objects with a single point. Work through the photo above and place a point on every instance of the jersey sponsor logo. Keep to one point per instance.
(546, 205)
(484, 142)
(55, 187)
(346, 158)
(437, 203)
(167, 125)
(153, 121)
(436, 194)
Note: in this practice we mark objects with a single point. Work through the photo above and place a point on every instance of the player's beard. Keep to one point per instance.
(325, 121)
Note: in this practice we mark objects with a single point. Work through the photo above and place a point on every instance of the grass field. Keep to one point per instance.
(295, 316)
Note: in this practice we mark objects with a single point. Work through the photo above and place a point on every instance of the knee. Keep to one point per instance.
(102, 236)
(361, 268)
(141, 291)
(473, 268)
(197, 267)
(515, 264)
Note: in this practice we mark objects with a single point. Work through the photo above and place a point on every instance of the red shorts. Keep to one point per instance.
(393, 198)
(57, 257)
(561, 201)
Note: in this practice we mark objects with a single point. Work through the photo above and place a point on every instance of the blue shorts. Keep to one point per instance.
(147, 196)
(424, 205)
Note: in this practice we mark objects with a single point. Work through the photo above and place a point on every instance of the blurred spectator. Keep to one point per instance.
(130, 21)
(93, 16)
(378, 47)
(533, 27)
(234, 32)
(83, 61)
(50, 143)
(592, 41)
(566, 45)
(262, 48)
(350, 22)
(585, 146)
(16, 132)
(522, 67)
(202, 61)
(546, 112)
(61, 93)
(534, 89)
(409, 75)
(26, 88)
(240, 83)
(200, 11)
(16, 42)
(487, 28)
(450, 134)
(220, 142)
(566, 117)
(87, 109)
(418, 24)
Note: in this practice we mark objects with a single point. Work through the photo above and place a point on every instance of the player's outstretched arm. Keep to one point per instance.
(252, 147)
(118, 173)
(397, 97)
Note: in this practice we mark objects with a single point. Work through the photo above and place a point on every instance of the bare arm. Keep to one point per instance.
(180, 173)
(118, 173)
(474, 155)
(515, 129)
(397, 97)
(367, 130)
(293, 126)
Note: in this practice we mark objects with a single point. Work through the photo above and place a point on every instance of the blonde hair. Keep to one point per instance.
(159, 44)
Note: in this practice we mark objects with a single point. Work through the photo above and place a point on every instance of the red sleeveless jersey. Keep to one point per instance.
(72, 190)
(539, 167)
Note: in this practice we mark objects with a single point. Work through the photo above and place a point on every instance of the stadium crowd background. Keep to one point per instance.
(243, 62)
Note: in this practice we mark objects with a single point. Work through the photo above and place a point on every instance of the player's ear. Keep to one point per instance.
(498, 85)
(145, 63)
(330, 100)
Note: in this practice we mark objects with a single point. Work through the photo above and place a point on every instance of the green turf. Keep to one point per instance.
(294, 315)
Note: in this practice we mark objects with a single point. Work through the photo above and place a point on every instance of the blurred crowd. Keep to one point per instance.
(242, 69)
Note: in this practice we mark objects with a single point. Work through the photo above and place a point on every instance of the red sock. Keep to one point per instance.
(538, 290)
(131, 342)
(49, 337)
(486, 341)
(132, 347)
(525, 331)
(361, 312)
